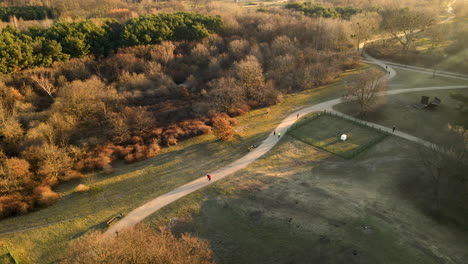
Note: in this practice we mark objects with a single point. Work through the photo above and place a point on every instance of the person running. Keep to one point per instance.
(279, 134)
(208, 176)
(393, 130)
(274, 132)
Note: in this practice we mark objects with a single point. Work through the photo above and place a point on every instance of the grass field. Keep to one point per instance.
(299, 204)
(324, 131)
(429, 124)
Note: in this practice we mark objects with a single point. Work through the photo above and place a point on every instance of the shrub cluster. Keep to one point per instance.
(313, 10)
(27, 12)
(139, 245)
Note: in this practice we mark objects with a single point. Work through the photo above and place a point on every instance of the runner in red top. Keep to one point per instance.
(208, 176)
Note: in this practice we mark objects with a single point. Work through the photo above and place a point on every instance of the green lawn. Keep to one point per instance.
(429, 124)
(132, 185)
(324, 131)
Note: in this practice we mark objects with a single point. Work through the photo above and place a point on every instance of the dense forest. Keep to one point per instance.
(314, 10)
(84, 112)
(41, 47)
(27, 12)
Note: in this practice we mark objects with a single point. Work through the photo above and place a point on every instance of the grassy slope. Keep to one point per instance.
(301, 205)
(134, 184)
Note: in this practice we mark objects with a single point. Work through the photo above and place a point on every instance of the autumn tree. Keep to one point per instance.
(366, 86)
(222, 127)
(15, 174)
(225, 95)
(249, 74)
(403, 24)
(52, 163)
(138, 245)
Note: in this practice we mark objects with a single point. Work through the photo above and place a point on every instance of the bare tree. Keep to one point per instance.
(225, 95)
(446, 166)
(404, 23)
(364, 25)
(43, 82)
(366, 86)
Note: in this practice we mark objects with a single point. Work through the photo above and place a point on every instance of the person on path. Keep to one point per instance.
(393, 130)
(279, 135)
(298, 116)
(274, 132)
(208, 176)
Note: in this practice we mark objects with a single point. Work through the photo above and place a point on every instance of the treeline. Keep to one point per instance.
(80, 115)
(313, 10)
(27, 12)
(41, 47)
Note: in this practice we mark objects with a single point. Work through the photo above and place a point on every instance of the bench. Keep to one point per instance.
(114, 219)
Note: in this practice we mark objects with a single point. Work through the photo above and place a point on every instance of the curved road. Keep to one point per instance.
(154, 205)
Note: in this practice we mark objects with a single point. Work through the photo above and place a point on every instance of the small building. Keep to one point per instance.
(343, 137)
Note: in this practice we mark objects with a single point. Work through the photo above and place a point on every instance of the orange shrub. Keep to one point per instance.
(222, 126)
(45, 196)
(13, 204)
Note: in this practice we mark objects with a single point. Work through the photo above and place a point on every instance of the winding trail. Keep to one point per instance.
(157, 203)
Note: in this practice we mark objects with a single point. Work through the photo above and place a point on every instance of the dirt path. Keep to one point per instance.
(154, 205)
(157, 203)
(447, 74)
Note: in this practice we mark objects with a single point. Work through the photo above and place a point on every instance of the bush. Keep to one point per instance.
(222, 126)
(45, 196)
(13, 204)
(81, 188)
(27, 12)
(139, 245)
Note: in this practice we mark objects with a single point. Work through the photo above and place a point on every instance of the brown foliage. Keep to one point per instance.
(14, 175)
(222, 126)
(139, 245)
(52, 163)
(45, 196)
(98, 159)
(111, 68)
(13, 204)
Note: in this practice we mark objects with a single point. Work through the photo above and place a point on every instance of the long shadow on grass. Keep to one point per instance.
(264, 225)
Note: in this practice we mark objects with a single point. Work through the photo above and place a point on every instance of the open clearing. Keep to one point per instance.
(324, 131)
(299, 204)
(429, 124)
